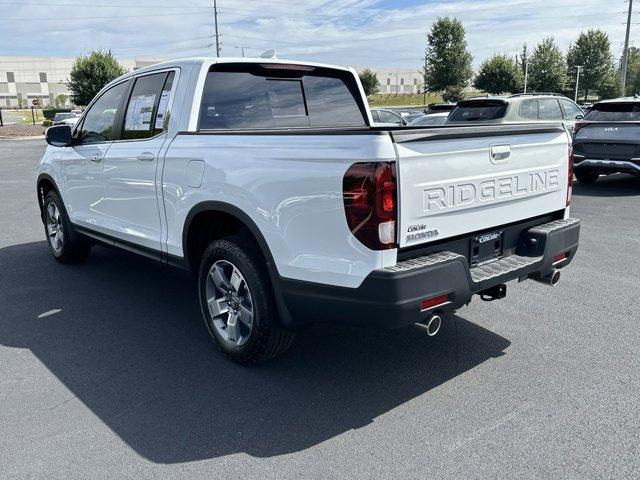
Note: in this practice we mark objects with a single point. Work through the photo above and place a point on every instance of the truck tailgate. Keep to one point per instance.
(458, 180)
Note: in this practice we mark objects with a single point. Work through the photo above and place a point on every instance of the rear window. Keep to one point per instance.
(252, 96)
(441, 108)
(478, 110)
(614, 112)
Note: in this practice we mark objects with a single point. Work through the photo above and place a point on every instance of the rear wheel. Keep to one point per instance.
(63, 246)
(237, 303)
(587, 176)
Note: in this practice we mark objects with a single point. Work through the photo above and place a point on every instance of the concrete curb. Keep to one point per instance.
(32, 137)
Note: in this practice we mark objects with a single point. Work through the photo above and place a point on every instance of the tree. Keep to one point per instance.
(499, 74)
(592, 51)
(609, 86)
(633, 71)
(369, 81)
(61, 99)
(547, 68)
(447, 61)
(89, 74)
(453, 93)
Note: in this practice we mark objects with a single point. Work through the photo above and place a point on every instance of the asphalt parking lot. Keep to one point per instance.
(118, 378)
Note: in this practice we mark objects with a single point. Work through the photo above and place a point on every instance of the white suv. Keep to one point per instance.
(517, 108)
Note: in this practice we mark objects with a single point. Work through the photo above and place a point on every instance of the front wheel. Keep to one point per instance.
(63, 247)
(587, 176)
(237, 303)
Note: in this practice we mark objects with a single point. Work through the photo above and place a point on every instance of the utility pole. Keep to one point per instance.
(526, 74)
(215, 20)
(578, 68)
(625, 53)
(242, 47)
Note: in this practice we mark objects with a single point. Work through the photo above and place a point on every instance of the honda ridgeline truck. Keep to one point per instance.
(267, 180)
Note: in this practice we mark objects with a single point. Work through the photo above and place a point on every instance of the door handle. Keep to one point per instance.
(146, 157)
(96, 158)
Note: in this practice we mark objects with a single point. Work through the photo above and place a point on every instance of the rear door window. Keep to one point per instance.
(389, 117)
(549, 109)
(615, 112)
(149, 93)
(478, 110)
(529, 109)
(237, 97)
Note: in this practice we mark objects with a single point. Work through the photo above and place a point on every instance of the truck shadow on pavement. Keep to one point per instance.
(129, 344)
(616, 185)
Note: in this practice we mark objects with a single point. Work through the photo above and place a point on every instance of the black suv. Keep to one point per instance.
(607, 140)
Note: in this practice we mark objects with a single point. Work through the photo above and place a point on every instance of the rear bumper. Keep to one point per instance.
(392, 297)
(609, 165)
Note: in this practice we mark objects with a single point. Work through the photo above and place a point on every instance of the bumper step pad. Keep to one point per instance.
(512, 266)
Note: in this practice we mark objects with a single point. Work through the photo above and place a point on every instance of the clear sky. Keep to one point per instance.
(386, 33)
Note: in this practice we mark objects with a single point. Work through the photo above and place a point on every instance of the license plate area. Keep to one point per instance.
(485, 248)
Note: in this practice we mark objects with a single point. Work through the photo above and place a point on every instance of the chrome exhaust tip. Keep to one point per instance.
(431, 325)
(550, 279)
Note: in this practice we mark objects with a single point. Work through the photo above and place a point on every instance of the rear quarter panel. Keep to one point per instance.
(290, 186)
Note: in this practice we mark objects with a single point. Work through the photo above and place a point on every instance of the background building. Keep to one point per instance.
(398, 80)
(25, 79)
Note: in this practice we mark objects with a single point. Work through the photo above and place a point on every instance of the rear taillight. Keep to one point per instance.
(578, 126)
(370, 203)
(570, 175)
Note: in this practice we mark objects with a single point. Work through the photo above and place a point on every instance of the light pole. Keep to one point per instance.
(578, 68)
(625, 53)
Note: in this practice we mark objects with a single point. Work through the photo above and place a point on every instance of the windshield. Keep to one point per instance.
(433, 120)
(441, 108)
(615, 112)
(63, 116)
(478, 110)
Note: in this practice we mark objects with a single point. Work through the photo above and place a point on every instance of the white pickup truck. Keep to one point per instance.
(268, 181)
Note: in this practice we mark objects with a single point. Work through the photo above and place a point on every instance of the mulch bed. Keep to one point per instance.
(21, 131)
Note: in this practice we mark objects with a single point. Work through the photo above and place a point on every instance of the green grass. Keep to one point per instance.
(27, 118)
(402, 100)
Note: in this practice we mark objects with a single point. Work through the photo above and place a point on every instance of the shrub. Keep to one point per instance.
(51, 112)
(47, 123)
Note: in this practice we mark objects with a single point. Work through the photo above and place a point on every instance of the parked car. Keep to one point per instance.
(64, 118)
(439, 108)
(387, 117)
(432, 120)
(411, 117)
(266, 179)
(518, 108)
(607, 140)
(77, 112)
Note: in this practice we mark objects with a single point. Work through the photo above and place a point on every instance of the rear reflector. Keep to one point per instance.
(559, 258)
(433, 302)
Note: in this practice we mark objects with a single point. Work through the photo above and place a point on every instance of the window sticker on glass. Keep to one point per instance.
(162, 109)
(139, 112)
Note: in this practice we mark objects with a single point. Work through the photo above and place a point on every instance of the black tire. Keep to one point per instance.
(267, 338)
(72, 248)
(587, 176)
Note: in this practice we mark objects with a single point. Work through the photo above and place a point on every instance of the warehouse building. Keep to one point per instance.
(25, 81)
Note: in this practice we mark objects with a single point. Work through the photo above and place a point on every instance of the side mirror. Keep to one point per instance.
(59, 136)
(579, 116)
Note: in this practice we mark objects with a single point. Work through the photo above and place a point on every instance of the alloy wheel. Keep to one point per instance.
(229, 303)
(55, 232)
